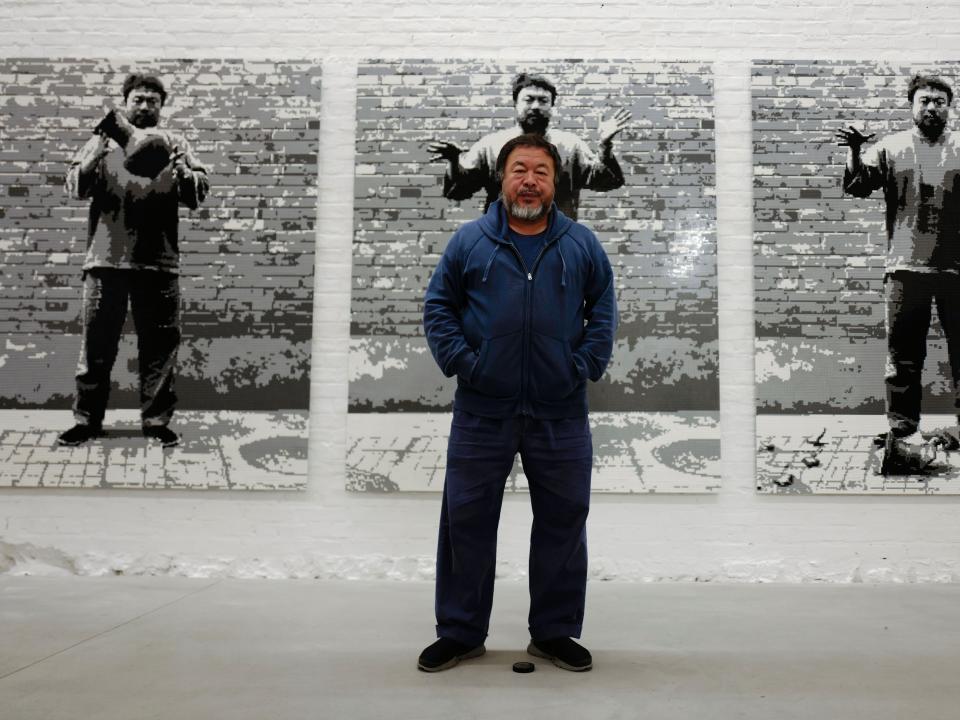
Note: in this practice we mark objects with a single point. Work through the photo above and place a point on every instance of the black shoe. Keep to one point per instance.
(900, 458)
(897, 432)
(445, 653)
(166, 436)
(79, 434)
(894, 457)
(562, 652)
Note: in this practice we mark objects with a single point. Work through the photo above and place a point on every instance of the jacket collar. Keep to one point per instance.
(494, 223)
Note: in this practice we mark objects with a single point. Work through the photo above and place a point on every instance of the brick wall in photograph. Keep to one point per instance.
(246, 254)
(658, 229)
(819, 254)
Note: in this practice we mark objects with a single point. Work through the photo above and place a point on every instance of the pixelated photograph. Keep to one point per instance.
(157, 247)
(635, 141)
(856, 277)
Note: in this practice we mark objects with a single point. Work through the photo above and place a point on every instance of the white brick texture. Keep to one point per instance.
(326, 532)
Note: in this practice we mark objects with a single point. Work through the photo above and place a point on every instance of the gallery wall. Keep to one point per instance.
(732, 535)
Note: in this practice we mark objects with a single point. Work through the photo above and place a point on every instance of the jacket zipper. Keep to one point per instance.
(526, 320)
(527, 348)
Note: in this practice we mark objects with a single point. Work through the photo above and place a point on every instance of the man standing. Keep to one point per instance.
(534, 98)
(919, 173)
(132, 256)
(522, 309)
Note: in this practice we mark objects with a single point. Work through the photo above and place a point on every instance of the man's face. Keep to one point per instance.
(930, 110)
(142, 107)
(528, 183)
(534, 107)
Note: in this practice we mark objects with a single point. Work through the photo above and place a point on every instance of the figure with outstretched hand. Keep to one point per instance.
(582, 167)
(918, 172)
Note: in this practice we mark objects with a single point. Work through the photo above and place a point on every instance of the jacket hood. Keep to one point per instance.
(494, 223)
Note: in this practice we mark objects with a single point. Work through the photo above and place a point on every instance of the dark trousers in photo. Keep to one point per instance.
(910, 296)
(154, 299)
(557, 458)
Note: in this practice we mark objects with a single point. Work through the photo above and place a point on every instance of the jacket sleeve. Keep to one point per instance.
(194, 186)
(442, 307)
(79, 184)
(470, 174)
(870, 176)
(596, 172)
(600, 313)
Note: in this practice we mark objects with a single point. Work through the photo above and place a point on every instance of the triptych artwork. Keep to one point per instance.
(853, 223)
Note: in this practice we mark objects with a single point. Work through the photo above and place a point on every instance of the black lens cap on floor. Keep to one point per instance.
(524, 667)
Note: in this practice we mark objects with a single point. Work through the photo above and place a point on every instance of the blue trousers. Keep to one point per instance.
(557, 458)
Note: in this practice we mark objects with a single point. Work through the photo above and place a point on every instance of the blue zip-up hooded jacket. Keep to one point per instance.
(522, 341)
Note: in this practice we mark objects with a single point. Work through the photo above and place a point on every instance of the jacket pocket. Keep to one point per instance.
(497, 372)
(553, 375)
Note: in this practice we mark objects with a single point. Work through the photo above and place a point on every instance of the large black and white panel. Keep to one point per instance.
(655, 413)
(240, 298)
(857, 277)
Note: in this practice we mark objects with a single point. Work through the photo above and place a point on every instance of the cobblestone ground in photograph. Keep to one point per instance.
(633, 452)
(225, 450)
(824, 454)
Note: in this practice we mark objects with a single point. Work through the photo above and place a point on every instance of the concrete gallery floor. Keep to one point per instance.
(165, 647)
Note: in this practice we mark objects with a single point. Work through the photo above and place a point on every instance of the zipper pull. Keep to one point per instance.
(529, 276)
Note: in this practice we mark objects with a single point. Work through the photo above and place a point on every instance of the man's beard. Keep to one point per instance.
(931, 126)
(142, 121)
(526, 212)
(534, 123)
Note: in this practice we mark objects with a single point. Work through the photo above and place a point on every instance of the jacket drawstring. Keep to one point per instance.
(486, 270)
(563, 267)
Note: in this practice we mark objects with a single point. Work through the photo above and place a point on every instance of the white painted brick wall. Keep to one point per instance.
(734, 535)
